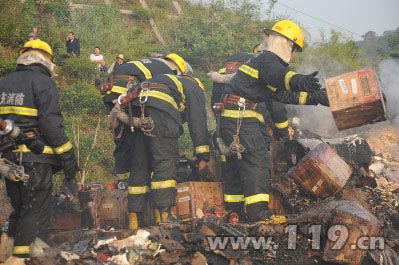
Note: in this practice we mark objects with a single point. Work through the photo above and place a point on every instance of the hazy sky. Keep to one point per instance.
(351, 17)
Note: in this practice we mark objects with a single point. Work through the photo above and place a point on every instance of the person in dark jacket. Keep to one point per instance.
(265, 76)
(276, 125)
(30, 97)
(133, 72)
(168, 100)
(73, 45)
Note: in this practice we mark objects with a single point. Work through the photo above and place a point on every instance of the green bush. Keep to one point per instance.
(80, 68)
(93, 147)
(7, 65)
(81, 99)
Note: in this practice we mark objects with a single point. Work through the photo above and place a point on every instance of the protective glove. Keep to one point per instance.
(305, 82)
(323, 98)
(318, 97)
(70, 170)
(70, 164)
(219, 78)
(70, 188)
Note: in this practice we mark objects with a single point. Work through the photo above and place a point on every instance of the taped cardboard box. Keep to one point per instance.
(355, 98)
(192, 195)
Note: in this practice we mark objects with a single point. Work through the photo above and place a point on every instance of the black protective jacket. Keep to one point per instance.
(265, 76)
(184, 101)
(274, 113)
(142, 69)
(218, 88)
(30, 97)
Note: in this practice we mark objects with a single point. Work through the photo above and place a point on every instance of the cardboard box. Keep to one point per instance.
(104, 209)
(64, 214)
(192, 195)
(350, 223)
(322, 172)
(355, 98)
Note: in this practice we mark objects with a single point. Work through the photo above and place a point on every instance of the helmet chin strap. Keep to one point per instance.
(280, 46)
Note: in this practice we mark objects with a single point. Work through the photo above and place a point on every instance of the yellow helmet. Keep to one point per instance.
(184, 67)
(37, 45)
(290, 30)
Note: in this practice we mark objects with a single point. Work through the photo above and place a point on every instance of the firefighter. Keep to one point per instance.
(168, 100)
(266, 75)
(276, 125)
(30, 97)
(132, 73)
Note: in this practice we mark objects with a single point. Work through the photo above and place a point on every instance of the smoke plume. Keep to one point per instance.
(388, 73)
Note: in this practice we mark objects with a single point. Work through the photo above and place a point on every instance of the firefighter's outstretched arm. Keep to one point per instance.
(314, 97)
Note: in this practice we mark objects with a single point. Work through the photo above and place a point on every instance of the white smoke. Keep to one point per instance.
(317, 119)
(388, 73)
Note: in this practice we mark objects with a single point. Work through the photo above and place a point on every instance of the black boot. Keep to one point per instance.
(261, 214)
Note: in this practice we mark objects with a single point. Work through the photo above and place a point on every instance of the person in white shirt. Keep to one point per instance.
(98, 57)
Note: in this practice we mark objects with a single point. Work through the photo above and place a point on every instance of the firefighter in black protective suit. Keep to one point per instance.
(30, 97)
(266, 75)
(134, 72)
(169, 101)
(275, 126)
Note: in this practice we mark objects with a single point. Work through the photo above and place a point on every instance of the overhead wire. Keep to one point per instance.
(316, 18)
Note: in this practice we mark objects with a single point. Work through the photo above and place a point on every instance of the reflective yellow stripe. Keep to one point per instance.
(200, 84)
(222, 71)
(18, 110)
(262, 197)
(179, 85)
(171, 183)
(287, 79)
(21, 250)
(119, 89)
(272, 88)
(137, 189)
(249, 71)
(233, 197)
(48, 150)
(162, 96)
(63, 148)
(202, 149)
(282, 125)
(122, 176)
(222, 158)
(143, 68)
(302, 98)
(248, 114)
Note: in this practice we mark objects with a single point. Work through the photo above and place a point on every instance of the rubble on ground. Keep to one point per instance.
(367, 204)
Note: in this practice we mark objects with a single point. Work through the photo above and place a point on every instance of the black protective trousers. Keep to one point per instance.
(123, 151)
(249, 176)
(32, 207)
(154, 163)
